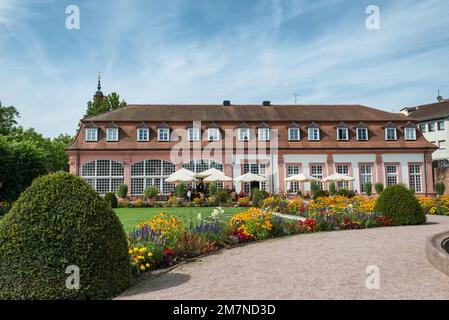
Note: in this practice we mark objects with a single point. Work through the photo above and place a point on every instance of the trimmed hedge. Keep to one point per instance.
(57, 222)
(111, 200)
(399, 205)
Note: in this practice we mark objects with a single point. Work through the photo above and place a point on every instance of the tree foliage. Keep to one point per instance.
(8, 117)
(108, 103)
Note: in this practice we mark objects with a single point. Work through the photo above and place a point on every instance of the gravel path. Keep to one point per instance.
(326, 265)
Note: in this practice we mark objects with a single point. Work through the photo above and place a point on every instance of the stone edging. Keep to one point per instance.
(436, 254)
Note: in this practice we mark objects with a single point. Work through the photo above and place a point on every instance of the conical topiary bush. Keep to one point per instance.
(58, 222)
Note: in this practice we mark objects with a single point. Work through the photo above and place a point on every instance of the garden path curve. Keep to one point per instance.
(326, 265)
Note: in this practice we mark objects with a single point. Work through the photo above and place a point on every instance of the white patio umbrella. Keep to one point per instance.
(182, 175)
(250, 177)
(218, 177)
(209, 172)
(337, 177)
(302, 177)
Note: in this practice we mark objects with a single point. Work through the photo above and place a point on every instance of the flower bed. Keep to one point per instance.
(438, 205)
(165, 240)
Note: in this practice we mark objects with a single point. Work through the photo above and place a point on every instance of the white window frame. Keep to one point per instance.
(344, 132)
(213, 134)
(263, 134)
(442, 127)
(317, 131)
(415, 180)
(146, 135)
(297, 136)
(342, 169)
(431, 125)
(163, 134)
(91, 134)
(359, 138)
(423, 128)
(241, 136)
(193, 134)
(394, 174)
(395, 134)
(366, 175)
(112, 134)
(410, 133)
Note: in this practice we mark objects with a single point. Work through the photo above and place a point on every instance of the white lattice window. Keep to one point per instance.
(163, 134)
(103, 175)
(392, 174)
(143, 134)
(293, 187)
(317, 172)
(365, 176)
(390, 134)
(213, 134)
(410, 133)
(343, 169)
(193, 134)
(151, 173)
(314, 134)
(256, 168)
(264, 134)
(415, 177)
(342, 134)
(293, 134)
(91, 134)
(362, 134)
(243, 134)
(112, 134)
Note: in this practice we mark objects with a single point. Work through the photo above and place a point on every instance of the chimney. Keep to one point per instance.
(226, 102)
(266, 103)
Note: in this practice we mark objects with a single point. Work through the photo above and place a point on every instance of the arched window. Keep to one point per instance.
(151, 172)
(200, 165)
(103, 175)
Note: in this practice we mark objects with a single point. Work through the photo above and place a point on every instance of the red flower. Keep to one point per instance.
(169, 252)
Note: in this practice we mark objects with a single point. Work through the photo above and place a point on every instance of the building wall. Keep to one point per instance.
(438, 137)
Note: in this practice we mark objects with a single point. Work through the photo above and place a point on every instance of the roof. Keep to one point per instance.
(430, 111)
(308, 113)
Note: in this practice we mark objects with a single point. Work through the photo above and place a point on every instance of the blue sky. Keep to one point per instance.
(205, 51)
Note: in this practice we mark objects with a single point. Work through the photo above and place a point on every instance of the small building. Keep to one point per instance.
(433, 122)
(141, 145)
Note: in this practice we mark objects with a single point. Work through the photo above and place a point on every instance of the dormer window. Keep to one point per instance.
(390, 134)
(342, 132)
(410, 133)
(193, 134)
(143, 132)
(263, 132)
(293, 132)
(112, 134)
(91, 134)
(361, 132)
(313, 132)
(213, 134)
(163, 134)
(243, 134)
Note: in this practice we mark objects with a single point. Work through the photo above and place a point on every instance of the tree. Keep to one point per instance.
(8, 117)
(101, 105)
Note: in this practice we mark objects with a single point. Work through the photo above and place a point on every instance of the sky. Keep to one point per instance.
(207, 51)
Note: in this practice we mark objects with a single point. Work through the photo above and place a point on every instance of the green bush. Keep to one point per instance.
(318, 193)
(60, 221)
(258, 196)
(368, 186)
(213, 189)
(150, 192)
(343, 192)
(332, 189)
(179, 191)
(111, 200)
(314, 187)
(222, 196)
(399, 205)
(122, 191)
(439, 188)
(379, 187)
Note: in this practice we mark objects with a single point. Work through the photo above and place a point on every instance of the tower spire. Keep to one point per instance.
(98, 94)
(439, 97)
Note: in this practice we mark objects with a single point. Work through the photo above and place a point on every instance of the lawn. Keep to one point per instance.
(130, 217)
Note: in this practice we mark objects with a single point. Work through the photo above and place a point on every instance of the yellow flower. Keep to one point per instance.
(147, 265)
(150, 254)
(142, 267)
